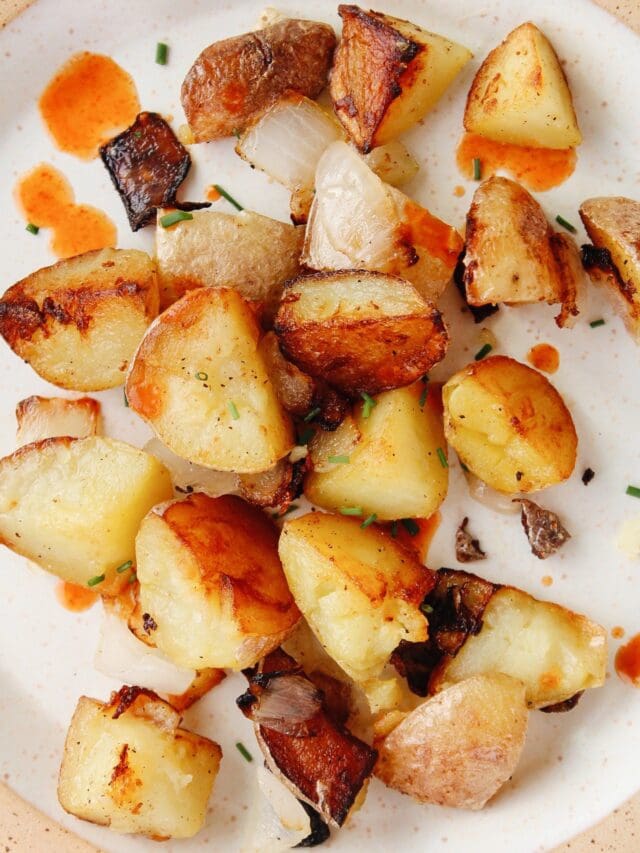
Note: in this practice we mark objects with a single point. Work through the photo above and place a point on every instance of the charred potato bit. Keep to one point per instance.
(543, 528)
(50, 417)
(467, 548)
(276, 487)
(479, 312)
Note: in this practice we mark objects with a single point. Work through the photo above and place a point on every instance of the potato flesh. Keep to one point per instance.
(135, 775)
(74, 505)
(50, 417)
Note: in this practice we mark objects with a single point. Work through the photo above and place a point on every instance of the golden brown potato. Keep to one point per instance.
(49, 417)
(509, 425)
(211, 580)
(361, 331)
(387, 74)
(520, 94)
(204, 681)
(458, 748)
(613, 225)
(78, 322)
(127, 765)
(234, 80)
(200, 382)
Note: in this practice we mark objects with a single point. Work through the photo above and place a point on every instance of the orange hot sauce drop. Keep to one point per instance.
(627, 661)
(544, 357)
(75, 598)
(418, 542)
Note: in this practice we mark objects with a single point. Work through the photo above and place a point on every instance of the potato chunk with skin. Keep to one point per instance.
(49, 417)
(387, 74)
(458, 748)
(199, 380)
(211, 579)
(74, 505)
(359, 590)
(520, 94)
(509, 425)
(127, 765)
(78, 322)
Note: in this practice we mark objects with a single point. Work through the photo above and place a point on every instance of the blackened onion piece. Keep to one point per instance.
(562, 707)
(467, 548)
(478, 312)
(543, 528)
(319, 829)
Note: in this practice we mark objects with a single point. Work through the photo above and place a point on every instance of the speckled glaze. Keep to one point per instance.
(576, 768)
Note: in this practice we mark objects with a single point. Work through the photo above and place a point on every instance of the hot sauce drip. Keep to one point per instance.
(75, 598)
(419, 541)
(537, 168)
(89, 100)
(544, 357)
(628, 661)
(424, 230)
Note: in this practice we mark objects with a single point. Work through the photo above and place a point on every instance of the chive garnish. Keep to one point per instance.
(595, 323)
(427, 609)
(562, 221)
(31, 228)
(306, 435)
(94, 581)
(634, 491)
(126, 399)
(369, 403)
(410, 526)
(244, 752)
(369, 520)
(338, 460)
(423, 396)
(351, 510)
(228, 197)
(170, 219)
(202, 376)
(394, 529)
(235, 414)
(311, 415)
(485, 350)
(133, 577)
(162, 52)
(477, 169)
(442, 457)
(124, 567)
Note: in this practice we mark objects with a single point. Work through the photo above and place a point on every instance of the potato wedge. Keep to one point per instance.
(520, 94)
(509, 425)
(73, 506)
(78, 322)
(458, 748)
(388, 73)
(211, 580)
(246, 252)
(234, 80)
(613, 225)
(129, 766)
(398, 440)
(359, 590)
(361, 331)
(50, 417)
(200, 382)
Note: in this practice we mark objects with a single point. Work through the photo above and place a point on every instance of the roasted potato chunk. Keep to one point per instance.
(200, 382)
(520, 94)
(234, 80)
(458, 748)
(387, 74)
(50, 417)
(129, 766)
(613, 225)
(74, 505)
(509, 425)
(398, 439)
(361, 331)
(211, 580)
(78, 322)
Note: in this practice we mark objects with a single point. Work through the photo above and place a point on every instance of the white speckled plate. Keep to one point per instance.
(576, 767)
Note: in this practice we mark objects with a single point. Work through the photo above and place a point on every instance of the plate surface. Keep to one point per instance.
(576, 767)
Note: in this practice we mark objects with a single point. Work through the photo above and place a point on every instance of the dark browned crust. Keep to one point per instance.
(274, 488)
(319, 829)
(594, 257)
(333, 406)
(544, 530)
(148, 623)
(478, 312)
(562, 707)
(562, 246)
(123, 699)
(468, 549)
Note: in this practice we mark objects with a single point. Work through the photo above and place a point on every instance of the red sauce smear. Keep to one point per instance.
(537, 168)
(46, 199)
(420, 541)
(544, 357)
(89, 100)
(422, 229)
(75, 598)
(628, 661)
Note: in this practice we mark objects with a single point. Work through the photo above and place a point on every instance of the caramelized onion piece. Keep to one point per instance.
(286, 704)
(467, 548)
(544, 530)
(562, 707)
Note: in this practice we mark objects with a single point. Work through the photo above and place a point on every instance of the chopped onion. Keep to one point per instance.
(279, 820)
(393, 163)
(187, 476)
(492, 499)
(326, 445)
(286, 702)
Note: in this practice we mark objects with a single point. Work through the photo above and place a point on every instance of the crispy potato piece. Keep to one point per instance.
(458, 748)
(398, 440)
(127, 765)
(520, 94)
(78, 322)
(204, 681)
(388, 73)
(393, 163)
(247, 252)
(361, 331)
(211, 580)
(276, 487)
(359, 590)
(200, 382)
(49, 417)
(234, 80)
(295, 390)
(74, 505)
(509, 425)
(613, 225)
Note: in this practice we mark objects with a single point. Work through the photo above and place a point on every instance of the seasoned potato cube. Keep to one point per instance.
(127, 765)
(520, 94)
(74, 505)
(393, 469)
(359, 590)
(211, 580)
(78, 322)
(509, 425)
(388, 73)
(201, 383)
(49, 417)
(361, 331)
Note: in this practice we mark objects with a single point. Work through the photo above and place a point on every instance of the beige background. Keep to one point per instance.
(23, 829)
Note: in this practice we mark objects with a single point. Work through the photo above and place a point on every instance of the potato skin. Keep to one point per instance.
(234, 80)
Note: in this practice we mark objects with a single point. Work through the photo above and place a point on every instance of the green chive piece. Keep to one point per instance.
(31, 228)
(426, 608)
(235, 414)
(311, 415)
(94, 581)
(244, 752)
(485, 350)
(338, 460)
(410, 526)
(137, 134)
(306, 435)
(202, 376)
(133, 577)
(228, 197)
(423, 396)
(162, 52)
(562, 221)
(170, 219)
(369, 404)
(477, 169)
(634, 491)
(595, 323)
(442, 457)
(369, 520)
(351, 510)
(394, 529)
(124, 567)
(290, 508)
(126, 399)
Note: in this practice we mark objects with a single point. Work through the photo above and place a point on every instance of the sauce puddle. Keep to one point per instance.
(75, 598)
(627, 661)
(420, 541)
(544, 357)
